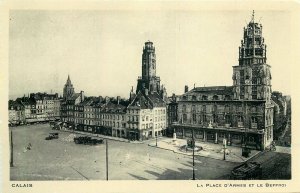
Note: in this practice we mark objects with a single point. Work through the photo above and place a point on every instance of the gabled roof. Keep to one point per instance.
(75, 96)
(149, 101)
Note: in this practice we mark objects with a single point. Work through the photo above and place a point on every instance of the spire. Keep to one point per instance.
(68, 80)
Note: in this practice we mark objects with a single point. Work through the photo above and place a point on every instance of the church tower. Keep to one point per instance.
(148, 80)
(252, 77)
(68, 89)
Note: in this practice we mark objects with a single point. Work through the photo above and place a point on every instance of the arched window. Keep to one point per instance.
(215, 97)
(215, 108)
(227, 97)
(204, 97)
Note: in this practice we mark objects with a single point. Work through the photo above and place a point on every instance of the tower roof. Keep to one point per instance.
(68, 81)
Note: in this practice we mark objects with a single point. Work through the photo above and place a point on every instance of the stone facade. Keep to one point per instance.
(242, 113)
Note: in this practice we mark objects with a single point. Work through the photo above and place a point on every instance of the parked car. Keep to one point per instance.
(52, 136)
(87, 140)
(247, 171)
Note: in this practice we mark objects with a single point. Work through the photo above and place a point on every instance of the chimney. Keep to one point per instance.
(100, 99)
(146, 92)
(106, 99)
(186, 88)
(118, 99)
(174, 97)
(82, 96)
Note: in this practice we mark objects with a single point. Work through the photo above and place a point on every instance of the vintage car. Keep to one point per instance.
(87, 140)
(247, 171)
(52, 136)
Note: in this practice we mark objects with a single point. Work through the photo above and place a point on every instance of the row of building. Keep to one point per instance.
(37, 107)
(246, 113)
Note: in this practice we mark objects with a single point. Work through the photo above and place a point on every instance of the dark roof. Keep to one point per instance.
(43, 96)
(219, 90)
(144, 101)
(75, 96)
(112, 107)
(15, 104)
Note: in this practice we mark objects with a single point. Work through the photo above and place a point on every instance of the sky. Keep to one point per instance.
(102, 50)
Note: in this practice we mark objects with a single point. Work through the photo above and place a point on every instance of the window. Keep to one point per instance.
(215, 109)
(203, 108)
(193, 108)
(204, 97)
(184, 108)
(227, 108)
(194, 118)
(215, 97)
(227, 119)
(184, 117)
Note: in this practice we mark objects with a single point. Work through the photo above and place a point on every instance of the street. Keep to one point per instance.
(62, 159)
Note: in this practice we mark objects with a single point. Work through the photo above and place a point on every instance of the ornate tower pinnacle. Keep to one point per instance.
(252, 49)
(252, 77)
(252, 17)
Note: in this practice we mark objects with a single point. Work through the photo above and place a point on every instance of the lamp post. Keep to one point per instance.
(193, 147)
(11, 150)
(156, 138)
(224, 145)
(106, 160)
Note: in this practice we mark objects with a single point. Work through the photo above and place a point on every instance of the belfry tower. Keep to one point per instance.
(252, 77)
(68, 89)
(149, 80)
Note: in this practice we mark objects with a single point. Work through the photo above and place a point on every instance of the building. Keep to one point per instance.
(172, 111)
(149, 80)
(85, 114)
(70, 100)
(47, 106)
(242, 113)
(16, 113)
(68, 91)
(146, 116)
(113, 118)
(147, 112)
(280, 113)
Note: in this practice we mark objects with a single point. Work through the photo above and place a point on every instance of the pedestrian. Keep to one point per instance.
(29, 146)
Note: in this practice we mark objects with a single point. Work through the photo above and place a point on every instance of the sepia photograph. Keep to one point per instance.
(150, 94)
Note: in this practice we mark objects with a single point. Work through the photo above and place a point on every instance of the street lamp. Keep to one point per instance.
(156, 138)
(224, 146)
(106, 160)
(11, 150)
(193, 146)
